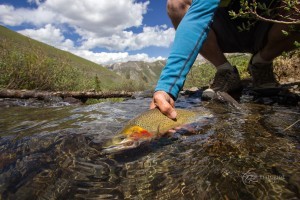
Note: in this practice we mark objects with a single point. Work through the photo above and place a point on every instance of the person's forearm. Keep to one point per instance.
(190, 36)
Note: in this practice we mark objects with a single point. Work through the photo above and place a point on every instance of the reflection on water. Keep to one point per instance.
(55, 152)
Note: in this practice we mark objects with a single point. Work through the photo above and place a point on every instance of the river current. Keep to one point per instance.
(54, 151)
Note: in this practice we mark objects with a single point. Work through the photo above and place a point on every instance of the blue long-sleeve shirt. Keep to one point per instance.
(189, 38)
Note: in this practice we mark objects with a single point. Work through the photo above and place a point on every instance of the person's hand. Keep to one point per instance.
(164, 102)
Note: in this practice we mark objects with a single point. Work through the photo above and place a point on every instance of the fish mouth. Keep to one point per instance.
(123, 145)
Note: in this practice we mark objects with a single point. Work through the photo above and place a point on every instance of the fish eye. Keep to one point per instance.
(129, 143)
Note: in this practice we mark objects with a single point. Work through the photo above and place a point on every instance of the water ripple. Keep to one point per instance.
(56, 153)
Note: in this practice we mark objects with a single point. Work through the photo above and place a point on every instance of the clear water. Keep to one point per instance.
(53, 151)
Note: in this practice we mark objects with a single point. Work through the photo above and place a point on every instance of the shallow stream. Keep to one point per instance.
(54, 151)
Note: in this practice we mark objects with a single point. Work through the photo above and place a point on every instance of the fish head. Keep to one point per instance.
(129, 138)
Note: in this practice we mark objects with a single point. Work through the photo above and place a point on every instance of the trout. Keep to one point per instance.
(152, 124)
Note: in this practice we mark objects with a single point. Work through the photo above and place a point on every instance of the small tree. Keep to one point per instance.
(288, 12)
(97, 83)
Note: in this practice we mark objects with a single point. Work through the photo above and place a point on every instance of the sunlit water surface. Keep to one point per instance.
(54, 151)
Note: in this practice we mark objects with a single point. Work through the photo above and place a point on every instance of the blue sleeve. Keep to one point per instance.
(189, 38)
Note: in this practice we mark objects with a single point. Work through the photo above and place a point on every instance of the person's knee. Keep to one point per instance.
(277, 33)
(176, 10)
(175, 7)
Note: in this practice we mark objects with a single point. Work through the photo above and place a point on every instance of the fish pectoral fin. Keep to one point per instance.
(158, 131)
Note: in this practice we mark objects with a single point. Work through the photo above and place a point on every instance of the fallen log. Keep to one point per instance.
(83, 96)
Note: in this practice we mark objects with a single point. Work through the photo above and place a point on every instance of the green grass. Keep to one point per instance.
(29, 64)
(241, 62)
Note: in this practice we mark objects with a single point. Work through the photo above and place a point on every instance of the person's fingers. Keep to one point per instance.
(166, 108)
(152, 104)
(156, 96)
(164, 103)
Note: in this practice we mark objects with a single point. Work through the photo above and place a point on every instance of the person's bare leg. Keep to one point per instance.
(277, 42)
(261, 68)
(210, 49)
(176, 10)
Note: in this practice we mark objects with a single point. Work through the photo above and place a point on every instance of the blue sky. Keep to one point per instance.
(104, 31)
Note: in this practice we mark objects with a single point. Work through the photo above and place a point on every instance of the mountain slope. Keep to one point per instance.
(19, 52)
(142, 72)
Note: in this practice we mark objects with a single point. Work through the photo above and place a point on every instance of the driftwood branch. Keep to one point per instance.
(26, 94)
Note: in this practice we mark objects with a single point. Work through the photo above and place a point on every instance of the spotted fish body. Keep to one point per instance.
(149, 125)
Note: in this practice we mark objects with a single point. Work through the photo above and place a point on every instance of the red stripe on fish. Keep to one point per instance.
(142, 134)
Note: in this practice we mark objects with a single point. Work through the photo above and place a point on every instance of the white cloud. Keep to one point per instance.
(37, 2)
(102, 17)
(109, 58)
(53, 36)
(8, 16)
(99, 24)
(14, 17)
(127, 40)
(48, 34)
